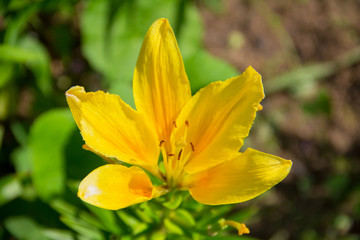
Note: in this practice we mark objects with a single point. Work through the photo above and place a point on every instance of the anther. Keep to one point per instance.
(192, 146)
(174, 124)
(170, 154)
(179, 156)
(161, 142)
(187, 123)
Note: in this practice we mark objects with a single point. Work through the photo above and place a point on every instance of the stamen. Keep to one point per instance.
(170, 154)
(192, 146)
(174, 124)
(161, 142)
(187, 123)
(179, 156)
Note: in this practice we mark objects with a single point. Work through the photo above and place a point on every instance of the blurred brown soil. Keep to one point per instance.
(274, 37)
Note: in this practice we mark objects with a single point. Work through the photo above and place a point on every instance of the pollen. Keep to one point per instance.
(179, 156)
(192, 146)
(187, 123)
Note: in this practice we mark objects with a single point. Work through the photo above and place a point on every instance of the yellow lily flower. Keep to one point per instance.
(198, 136)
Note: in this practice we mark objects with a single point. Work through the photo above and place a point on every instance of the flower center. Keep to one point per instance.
(176, 154)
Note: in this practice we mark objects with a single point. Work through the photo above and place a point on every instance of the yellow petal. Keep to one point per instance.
(219, 117)
(108, 160)
(161, 87)
(113, 129)
(239, 179)
(115, 186)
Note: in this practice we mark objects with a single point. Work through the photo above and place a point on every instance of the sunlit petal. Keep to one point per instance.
(112, 128)
(218, 118)
(161, 87)
(115, 186)
(239, 179)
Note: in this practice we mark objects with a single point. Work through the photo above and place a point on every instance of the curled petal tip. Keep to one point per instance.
(74, 91)
(162, 20)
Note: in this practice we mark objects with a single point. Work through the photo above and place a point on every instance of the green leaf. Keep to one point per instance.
(8, 101)
(21, 158)
(143, 214)
(79, 162)
(63, 207)
(107, 218)
(23, 227)
(83, 228)
(175, 199)
(244, 214)
(202, 69)
(40, 67)
(3, 7)
(212, 215)
(136, 225)
(183, 218)
(192, 205)
(34, 55)
(172, 227)
(158, 235)
(150, 210)
(19, 132)
(71, 211)
(17, 24)
(58, 234)
(16, 54)
(6, 70)
(10, 188)
(320, 105)
(190, 39)
(47, 139)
